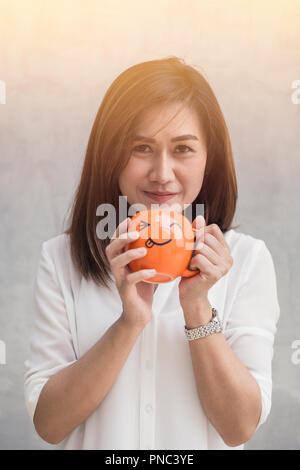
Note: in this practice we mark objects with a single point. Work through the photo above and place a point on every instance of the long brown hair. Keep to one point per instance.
(162, 81)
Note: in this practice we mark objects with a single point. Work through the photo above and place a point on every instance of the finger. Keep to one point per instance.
(212, 242)
(199, 222)
(215, 230)
(122, 227)
(117, 245)
(203, 264)
(199, 227)
(124, 258)
(210, 254)
(138, 276)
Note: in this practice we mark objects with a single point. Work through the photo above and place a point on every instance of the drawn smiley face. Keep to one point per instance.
(162, 227)
(168, 239)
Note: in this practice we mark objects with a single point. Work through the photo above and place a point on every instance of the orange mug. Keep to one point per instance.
(169, 239)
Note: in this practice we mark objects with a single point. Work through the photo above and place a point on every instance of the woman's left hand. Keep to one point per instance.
(212, 258)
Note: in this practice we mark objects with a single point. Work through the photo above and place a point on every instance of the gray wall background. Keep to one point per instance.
(57, 59)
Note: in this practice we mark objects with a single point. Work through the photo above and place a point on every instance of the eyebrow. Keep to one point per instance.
(175, 139)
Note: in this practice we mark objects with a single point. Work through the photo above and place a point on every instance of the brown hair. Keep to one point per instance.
(163, 81)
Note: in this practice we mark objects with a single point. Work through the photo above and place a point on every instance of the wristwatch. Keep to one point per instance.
(213, 326)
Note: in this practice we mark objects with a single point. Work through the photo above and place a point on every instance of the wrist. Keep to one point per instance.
(200, 313)
(131, 326)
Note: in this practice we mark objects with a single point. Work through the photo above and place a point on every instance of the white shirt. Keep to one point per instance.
(153, 403)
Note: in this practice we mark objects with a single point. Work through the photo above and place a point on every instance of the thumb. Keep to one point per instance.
(199, 224)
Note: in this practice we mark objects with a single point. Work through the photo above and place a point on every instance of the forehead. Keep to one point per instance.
(167, 120)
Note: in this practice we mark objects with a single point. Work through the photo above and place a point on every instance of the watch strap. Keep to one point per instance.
(213, 326)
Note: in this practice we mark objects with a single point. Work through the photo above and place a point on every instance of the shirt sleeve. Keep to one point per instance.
(251, 326)
(51, 345)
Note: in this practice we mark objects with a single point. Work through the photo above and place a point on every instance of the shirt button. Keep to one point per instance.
(148, 407)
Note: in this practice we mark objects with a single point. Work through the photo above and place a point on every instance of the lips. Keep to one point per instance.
(160, 196)
(157, 193)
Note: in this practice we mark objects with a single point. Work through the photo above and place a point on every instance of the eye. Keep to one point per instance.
(140, 148)
(186, 147)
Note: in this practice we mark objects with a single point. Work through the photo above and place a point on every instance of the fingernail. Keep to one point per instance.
(200, 221)
(133, 234)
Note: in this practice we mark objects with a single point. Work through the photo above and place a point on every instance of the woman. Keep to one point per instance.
(113, 364)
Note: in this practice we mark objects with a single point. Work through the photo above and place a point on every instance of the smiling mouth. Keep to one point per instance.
(160, 197)
(150, 243)
(160, 194)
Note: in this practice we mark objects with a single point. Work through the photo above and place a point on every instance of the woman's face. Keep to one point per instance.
(173, 161)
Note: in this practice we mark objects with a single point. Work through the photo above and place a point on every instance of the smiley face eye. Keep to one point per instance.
(177, 229)
(142, 225)
(176, 226)
(175, 223)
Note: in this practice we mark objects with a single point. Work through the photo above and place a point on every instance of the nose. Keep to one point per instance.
(162, 168)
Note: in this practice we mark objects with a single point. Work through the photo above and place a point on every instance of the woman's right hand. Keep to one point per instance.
(136, 295)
